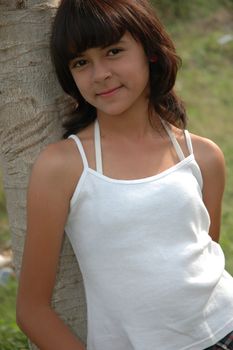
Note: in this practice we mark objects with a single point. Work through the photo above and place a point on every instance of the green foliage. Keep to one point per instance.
(10, 336)
(185, 10)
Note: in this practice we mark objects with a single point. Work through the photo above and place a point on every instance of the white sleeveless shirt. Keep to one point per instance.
(154, 279)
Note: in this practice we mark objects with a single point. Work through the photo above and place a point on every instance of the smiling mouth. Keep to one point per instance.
(108, 92)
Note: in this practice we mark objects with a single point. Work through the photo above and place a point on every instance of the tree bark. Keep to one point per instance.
(32, 105)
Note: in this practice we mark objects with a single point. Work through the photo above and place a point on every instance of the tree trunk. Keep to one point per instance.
(32, 105)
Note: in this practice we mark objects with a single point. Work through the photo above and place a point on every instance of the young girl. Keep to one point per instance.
(138, 196)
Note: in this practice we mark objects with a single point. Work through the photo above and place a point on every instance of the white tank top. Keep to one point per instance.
(154, 279)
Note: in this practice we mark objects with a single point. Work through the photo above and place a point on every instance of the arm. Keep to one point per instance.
(50, 189)
(211, 161)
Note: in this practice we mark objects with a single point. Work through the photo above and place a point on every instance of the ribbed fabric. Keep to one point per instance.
(154, 279)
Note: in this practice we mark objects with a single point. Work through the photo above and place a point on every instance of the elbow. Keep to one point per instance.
(21, 315)
(19, 321)
(30, 313)
(25, 315)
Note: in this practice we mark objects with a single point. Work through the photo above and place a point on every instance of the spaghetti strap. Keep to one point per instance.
(188, 141)
(173, 140)
(98, 153)
(81, 150)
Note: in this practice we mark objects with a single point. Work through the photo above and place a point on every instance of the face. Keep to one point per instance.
(114, 79)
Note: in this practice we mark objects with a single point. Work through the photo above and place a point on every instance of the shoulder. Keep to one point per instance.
(59, 165)
(58, 154)
(208, 155)
(211, 161)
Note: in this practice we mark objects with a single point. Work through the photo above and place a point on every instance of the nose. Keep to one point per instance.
(101, 72)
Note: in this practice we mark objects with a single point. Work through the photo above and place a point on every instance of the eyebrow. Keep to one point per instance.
(121, 41)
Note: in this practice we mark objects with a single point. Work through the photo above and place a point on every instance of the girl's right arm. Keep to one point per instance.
(49, 194)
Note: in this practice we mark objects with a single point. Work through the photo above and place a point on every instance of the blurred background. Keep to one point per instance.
(203, 33)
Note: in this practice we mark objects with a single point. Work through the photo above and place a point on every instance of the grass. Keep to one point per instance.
(205, 83)
(10, 336)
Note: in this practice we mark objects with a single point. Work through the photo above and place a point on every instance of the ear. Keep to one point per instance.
(153, 59)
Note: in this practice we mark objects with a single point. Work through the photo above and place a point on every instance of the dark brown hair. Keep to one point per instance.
(83, 24)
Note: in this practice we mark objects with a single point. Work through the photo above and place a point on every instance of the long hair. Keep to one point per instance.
(83, 24)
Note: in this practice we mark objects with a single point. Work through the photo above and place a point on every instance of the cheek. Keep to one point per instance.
(82, 84)
(139, 75)
(138, 68)
(77, 81)
(143, 67)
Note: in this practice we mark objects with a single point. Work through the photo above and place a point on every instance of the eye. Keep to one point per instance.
(79, 63)
(114, 51)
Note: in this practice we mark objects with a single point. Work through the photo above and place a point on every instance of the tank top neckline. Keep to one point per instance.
(150, 178)
(98, 156)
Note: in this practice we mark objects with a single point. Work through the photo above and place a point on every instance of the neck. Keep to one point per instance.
(132, 125)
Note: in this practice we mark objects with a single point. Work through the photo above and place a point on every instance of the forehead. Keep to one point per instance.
(125, 40)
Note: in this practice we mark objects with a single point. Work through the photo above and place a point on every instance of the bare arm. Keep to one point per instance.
(49, 194)
(211, 161)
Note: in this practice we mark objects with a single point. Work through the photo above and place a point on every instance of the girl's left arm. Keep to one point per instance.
(212, 164)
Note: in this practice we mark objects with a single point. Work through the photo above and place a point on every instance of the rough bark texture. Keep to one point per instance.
(32, 105)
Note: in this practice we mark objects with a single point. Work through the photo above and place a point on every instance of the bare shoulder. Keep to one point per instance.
(58, 155)
(59, 164)
(211, 161)
(208, 155)
(206, 152)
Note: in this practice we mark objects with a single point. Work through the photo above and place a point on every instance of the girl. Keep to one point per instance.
(139, 198)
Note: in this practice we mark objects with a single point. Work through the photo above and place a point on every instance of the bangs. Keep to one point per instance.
(92, 24)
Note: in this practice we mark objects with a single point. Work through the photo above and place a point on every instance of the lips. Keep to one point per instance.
(108, 92)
